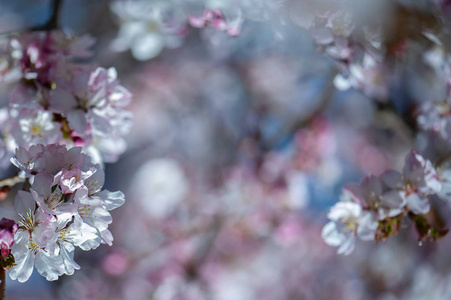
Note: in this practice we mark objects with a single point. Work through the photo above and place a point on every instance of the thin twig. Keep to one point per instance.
(10, 181)
(7, 183)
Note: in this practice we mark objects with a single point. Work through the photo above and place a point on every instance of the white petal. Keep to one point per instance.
(331, 235)
(445, 192)
(24, 202)
(418, 204)
(367, 226)
(107, 237)
(342, 83)
(147, 46)
(344, 209)
(42, 184)
(110, 200)
(83, 235)
(392, 179)
(68, 260)
(347, 246)
(23, 268)
(392, 203)
(77, 120)
(51, 267)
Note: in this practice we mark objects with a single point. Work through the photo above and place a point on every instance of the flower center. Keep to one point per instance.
(349, 223)
(27, 222)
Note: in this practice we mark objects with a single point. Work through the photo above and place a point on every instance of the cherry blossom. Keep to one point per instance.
(146, 28)
(348, 220)
(60, 101)
(65, 209)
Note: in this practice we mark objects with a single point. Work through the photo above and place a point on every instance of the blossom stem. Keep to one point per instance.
(3, 283)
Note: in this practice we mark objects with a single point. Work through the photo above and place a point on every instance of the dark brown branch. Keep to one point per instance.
(52, 23)
(3, 283)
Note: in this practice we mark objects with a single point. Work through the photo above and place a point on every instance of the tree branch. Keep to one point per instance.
(7, 183)
(2, 283)
(52, 23)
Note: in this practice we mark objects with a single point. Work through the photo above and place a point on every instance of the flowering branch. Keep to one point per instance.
(76, 108)
(375, 208)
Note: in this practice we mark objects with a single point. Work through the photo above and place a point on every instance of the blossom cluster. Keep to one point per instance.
(375, 208)
(56, 100)
(357, 50)
(65, 118)
(147, 27)
(216, 20)
(436, 117)
(364, 52)
(366, 44)
(64, 208)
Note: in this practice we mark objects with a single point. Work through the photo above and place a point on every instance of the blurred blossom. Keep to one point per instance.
(217, 21)
(159, 185)
(428, 283)
(116, 262)
(148, 27)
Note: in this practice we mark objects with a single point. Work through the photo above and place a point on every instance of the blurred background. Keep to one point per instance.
(240, 144)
